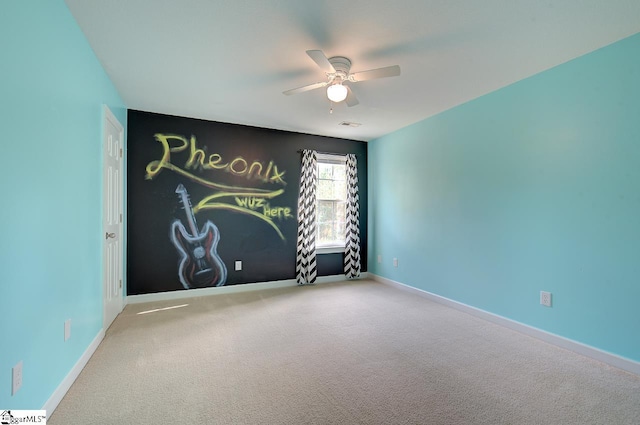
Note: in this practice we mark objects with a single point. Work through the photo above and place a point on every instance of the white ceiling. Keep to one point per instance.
(231, 60)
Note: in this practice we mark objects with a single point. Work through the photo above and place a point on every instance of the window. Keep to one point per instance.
(331, 198)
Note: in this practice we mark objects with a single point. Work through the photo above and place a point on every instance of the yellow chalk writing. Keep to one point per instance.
(199, 159)
(250, 201)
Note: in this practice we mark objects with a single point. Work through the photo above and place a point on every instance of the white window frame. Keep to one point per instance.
(329, 159)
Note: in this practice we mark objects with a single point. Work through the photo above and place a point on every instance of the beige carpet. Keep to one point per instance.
(341, 353)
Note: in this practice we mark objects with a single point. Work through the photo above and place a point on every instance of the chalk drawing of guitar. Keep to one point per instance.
(200, 266)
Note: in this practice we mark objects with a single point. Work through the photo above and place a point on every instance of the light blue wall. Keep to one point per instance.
(533, 187)
(51, 93)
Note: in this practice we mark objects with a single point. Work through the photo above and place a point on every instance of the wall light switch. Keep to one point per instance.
(238, 266)
(395, 262)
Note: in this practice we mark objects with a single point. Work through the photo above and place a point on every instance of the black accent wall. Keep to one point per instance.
(242, 187)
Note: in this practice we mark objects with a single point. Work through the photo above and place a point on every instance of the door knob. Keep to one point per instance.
(109, 235)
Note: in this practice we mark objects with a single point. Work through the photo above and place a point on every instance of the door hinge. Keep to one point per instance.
(120, 218)
(120, 283)
(120, 152)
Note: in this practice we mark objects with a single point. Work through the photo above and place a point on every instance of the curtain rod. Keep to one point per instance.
(325, 153)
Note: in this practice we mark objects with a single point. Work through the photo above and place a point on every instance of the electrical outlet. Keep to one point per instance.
(67, 329)
(16, 381)
(395, 262)
(379, 258)
(545, 298)
(238, 266)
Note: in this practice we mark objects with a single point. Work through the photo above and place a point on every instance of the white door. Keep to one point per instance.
(112, 218)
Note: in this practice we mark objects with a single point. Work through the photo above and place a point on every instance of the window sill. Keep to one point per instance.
(338, 249)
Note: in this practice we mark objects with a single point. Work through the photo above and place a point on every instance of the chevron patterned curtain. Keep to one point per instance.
(352, 234)
(306, 270)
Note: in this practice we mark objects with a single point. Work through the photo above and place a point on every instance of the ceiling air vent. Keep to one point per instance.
(350, 124)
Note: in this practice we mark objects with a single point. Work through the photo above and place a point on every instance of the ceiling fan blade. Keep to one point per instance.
(319, 57)
(389, 71)
(351, 99)
(305, 88)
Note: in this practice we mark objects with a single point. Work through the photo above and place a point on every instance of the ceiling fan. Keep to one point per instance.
(337, 69)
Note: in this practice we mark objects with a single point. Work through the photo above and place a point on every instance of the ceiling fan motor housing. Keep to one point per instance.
(342, 66)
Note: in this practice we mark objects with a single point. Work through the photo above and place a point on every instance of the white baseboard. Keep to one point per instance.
(201, 292)
(66, 383)
(577, 347)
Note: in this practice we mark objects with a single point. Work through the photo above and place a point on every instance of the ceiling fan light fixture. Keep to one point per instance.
(337, 92)
(337, 69)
